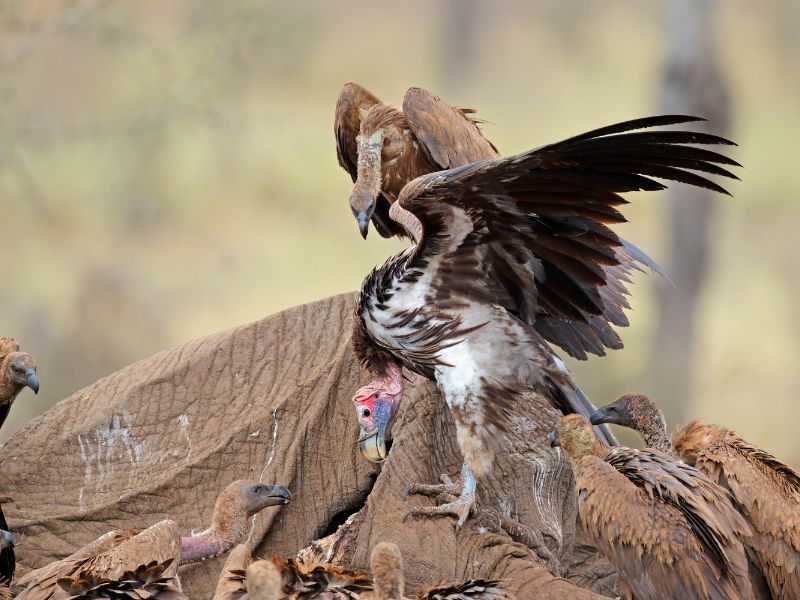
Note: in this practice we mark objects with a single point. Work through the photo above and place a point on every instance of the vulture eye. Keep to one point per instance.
(257, 489)
(365, 412)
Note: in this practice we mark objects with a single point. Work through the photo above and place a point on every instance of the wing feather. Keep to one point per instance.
(540, 243)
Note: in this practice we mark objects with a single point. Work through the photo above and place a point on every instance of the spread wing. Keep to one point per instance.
(532, 233)
(765, 488)
(672, 536)
(449, 136)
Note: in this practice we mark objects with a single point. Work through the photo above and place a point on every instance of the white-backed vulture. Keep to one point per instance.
(117, 552)
(670, 531)
(147, 582)
(510, 254)
(17, 371)
(766, 491)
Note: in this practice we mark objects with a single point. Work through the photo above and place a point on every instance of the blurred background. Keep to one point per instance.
(168, 169)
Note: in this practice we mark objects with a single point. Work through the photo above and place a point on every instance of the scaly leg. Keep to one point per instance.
(459, 508)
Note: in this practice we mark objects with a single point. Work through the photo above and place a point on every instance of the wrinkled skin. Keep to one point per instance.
(271, 401)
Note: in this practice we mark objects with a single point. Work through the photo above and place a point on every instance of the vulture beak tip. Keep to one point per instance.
(32, 380)
(363, 224)
(596, 418)
(553, 437)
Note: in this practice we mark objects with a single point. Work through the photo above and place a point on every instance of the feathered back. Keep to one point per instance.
(147, 582)
(474, 589)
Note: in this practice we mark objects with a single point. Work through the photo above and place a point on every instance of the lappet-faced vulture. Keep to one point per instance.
(116, 553)
(766, 491)
(383, 147)
(670, 531)
(510, 254)
(17, 371)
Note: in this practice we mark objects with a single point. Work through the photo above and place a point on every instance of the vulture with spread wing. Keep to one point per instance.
(510, 254)
(766, 491)
(670, 531)
(383, 147)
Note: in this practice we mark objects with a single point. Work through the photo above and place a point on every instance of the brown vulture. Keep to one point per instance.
(384, 147)
(17, 371)
(766, 491)
(117, 552)
(670, 531)
(510, 254)
(148, 581)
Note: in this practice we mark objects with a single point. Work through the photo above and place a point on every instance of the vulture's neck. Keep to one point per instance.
(227, 530)
(654, 434)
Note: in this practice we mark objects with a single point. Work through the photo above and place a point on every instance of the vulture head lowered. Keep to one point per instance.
(637, 412)
(383, 147)
(376, 408)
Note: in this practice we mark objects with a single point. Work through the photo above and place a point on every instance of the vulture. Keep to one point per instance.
(17, 371)
(510, 254)
(8, 561)
(388, 581)
(146, 582)
(298, 581)
(383, 147)
(766, 491)
(112, 556)
(669, 530)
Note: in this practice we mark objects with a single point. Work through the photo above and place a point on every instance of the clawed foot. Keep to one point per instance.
(459, 497)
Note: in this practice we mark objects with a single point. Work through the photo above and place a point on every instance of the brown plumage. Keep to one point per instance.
(511, 254)
(389, 583)
(264, 581)
(766, 491)
(111, 555)
(670, 531)
(299, 581)
(147, 582)
(17, 371)
(383, 147)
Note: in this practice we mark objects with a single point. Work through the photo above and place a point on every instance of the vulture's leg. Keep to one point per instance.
(459, 508)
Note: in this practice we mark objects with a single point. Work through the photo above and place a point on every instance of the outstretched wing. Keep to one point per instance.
(531, 232)
(449, 136)
(354, 101)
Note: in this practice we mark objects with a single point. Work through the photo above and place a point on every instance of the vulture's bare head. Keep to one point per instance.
(250, 497)
(22, 370)
(376, 408)
(575, 435)
(380, 140)
(635, 411)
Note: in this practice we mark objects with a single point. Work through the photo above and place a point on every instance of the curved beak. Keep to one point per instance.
(373, 446)
(553, 437)
(363, 223)
(277, 495)
(32, 380)
(602, 415)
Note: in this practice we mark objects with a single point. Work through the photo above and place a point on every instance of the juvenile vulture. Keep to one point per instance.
(668, 529)
(383, 147)
(147, 582)
(17, 371)
(510, 254)
(298, 581)
(114, 554)
(388, 581)
(766, 491)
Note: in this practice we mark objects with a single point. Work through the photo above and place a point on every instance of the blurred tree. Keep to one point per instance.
(692, 85)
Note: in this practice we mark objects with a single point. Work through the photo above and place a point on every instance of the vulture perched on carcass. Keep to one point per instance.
(297, 580)
(510, 254)
(384, 147)
(766, 491)
(17, 371)
(670, 531)
(113, 556)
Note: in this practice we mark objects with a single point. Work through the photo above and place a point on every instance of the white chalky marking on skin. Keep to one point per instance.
(266, 466)
(183, 419)
(87, 474)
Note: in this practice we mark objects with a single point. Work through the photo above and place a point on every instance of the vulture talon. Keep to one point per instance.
(460, 507)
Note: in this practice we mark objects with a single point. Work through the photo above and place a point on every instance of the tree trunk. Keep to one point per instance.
(271, 401)
(692, 85)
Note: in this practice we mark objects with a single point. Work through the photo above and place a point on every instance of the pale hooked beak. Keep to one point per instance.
(553, 437)
(373, 446)
(363, 223)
